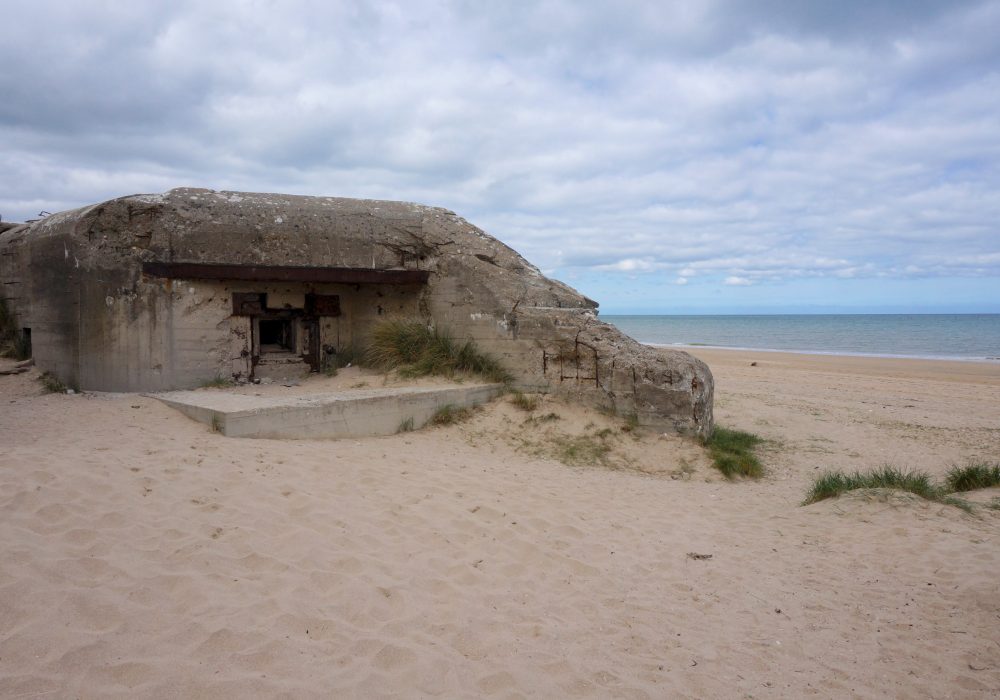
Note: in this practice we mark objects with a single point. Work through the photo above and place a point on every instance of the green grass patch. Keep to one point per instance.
(835, 484)
(450, 414)
(974, 476)
(415, 350)
(732, 452)
(406, 426)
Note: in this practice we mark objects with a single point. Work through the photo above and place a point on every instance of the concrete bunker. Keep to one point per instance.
(168, 291)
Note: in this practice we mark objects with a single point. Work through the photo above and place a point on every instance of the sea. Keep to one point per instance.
(933, 336)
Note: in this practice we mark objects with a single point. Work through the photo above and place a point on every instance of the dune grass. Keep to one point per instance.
(835, 484)
(973, 476)
(344, 357)
(415, 350)
(524, 401)
(582, 450)
(450, 414)
(51, 383)
(732, 452)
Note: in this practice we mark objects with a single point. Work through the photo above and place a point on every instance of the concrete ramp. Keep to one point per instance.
(351, 413)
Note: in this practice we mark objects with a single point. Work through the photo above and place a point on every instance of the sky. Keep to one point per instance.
(743, 156)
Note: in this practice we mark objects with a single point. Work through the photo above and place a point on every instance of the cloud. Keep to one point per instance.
(764, 141)
(734, 281)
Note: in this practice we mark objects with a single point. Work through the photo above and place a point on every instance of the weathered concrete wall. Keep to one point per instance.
(76, 279)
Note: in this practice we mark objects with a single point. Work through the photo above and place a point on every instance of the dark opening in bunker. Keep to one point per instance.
(276, 335)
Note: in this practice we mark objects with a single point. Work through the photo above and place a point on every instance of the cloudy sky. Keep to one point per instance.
(671, 157)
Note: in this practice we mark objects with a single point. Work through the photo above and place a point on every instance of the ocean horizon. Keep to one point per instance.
(968, 337)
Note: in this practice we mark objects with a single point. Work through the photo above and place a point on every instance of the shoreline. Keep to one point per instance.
(688, 347)
(984, 373)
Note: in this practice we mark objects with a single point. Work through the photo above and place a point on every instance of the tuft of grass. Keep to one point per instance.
(216, 423)
(51, 383)
(834, 484)
(450, 414)
(524, 401)
(415, 350)
(732, 452)
(973, 476)
(344, 357)
(406, 426)
(546, 418)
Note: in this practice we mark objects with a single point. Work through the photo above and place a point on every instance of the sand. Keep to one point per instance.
(145, 556)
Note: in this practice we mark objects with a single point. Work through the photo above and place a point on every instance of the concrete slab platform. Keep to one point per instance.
(343, 414)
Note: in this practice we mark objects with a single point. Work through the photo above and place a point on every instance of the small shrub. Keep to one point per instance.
(732, 452)
(973, 476)
(51, 383)
(415, 350)
(330, 370)
(524, 401)
(449, 414)
(406, 426)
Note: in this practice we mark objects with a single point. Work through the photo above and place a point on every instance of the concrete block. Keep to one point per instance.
(347, 414)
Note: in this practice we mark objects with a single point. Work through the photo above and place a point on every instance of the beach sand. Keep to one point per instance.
(146, 556)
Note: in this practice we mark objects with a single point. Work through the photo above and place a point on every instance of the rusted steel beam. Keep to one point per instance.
(282, 273)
